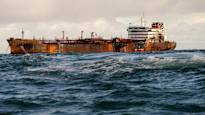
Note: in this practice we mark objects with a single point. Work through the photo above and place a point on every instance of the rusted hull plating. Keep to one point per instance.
(22, 46)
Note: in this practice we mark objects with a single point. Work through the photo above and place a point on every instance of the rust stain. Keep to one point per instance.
(84, 46)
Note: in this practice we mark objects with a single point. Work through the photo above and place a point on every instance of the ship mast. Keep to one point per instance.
(143, 24)
(81, 36)
(63, 34)
(22, 34)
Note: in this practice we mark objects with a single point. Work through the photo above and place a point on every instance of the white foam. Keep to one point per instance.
(198, 58)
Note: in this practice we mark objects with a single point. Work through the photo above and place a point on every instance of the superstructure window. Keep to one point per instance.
(142, 28)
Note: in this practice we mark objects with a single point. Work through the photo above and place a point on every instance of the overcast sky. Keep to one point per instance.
(185, 19)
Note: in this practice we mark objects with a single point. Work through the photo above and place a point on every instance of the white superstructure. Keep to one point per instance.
(142, 33)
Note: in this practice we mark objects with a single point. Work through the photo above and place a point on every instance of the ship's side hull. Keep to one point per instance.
(160, 46)
(22, 46)
(19, 46)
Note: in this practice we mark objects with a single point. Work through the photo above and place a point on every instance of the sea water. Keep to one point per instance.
(170, 82)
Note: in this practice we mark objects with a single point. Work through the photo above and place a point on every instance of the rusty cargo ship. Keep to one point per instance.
(140, 39)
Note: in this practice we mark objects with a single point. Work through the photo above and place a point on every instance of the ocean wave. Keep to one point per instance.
(170, 82)
(129, 63)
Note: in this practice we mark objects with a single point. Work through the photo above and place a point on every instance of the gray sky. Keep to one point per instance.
(185, 19)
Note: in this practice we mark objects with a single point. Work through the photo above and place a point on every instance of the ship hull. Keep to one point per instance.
(23, 46)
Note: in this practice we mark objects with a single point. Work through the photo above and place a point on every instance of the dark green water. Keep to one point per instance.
(105, 83)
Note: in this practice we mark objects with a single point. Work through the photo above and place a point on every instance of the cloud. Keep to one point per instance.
(185, 20)
(15, 11)
(75, 10)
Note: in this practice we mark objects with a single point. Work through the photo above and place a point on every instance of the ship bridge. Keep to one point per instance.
(141, 33)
